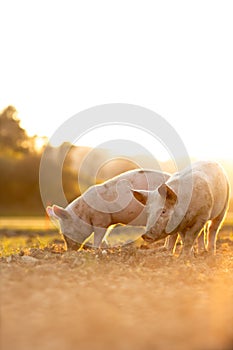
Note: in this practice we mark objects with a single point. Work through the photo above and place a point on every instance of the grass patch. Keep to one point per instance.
(14, 245)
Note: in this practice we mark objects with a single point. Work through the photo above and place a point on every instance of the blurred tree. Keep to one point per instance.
(20, 162)
(19, 167)
(13, 139)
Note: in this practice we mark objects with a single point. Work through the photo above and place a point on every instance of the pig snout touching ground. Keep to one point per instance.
(104, 205)
(207, 187)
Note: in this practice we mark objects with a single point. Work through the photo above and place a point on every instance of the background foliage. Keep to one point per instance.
(20, 161)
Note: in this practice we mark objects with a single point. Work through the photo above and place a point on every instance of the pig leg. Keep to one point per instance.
(99, 233)
(201, 242)
(188, 237)
(170, 243)
(107, 233)
(214, 228)
(104, 243)
(201, 239)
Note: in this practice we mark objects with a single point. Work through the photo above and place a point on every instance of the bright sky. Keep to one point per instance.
(173, 57)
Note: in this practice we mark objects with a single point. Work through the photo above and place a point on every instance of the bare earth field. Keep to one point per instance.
(128, 298)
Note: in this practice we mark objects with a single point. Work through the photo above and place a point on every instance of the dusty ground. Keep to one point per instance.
(127, 298)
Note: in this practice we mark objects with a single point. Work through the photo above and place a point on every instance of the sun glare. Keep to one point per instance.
(40, 142)
(137, 141)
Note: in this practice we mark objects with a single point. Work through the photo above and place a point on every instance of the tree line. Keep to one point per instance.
(20, 163)
(19, 169)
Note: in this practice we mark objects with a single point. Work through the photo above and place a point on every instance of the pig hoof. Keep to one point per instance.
(104, 245)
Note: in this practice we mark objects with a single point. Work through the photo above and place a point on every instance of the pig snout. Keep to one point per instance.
(147, 237)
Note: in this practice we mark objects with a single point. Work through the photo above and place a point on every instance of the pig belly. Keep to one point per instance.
(134, 214)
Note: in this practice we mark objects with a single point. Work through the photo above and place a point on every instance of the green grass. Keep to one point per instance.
(16, 244)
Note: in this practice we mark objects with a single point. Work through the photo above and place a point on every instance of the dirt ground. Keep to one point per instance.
(120, 299)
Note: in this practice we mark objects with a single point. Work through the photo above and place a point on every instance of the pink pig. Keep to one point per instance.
(106, 204)
(209, 190)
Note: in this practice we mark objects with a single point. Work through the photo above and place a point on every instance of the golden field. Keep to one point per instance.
(122, 298)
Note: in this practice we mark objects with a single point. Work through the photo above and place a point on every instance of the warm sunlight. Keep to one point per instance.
(113, 233)
(139, 141)
(40, 142)
(201, 139)
(191, 89)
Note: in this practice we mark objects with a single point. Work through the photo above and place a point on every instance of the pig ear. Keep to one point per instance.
(60, 212)
(52, 215)
(141, 196)
(168, 193)
(49, 211)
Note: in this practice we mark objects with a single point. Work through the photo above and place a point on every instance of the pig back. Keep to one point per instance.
(126, 209)
(218, 183)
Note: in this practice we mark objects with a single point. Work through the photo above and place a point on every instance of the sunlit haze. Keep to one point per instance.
(175, 58)
(101, 136)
